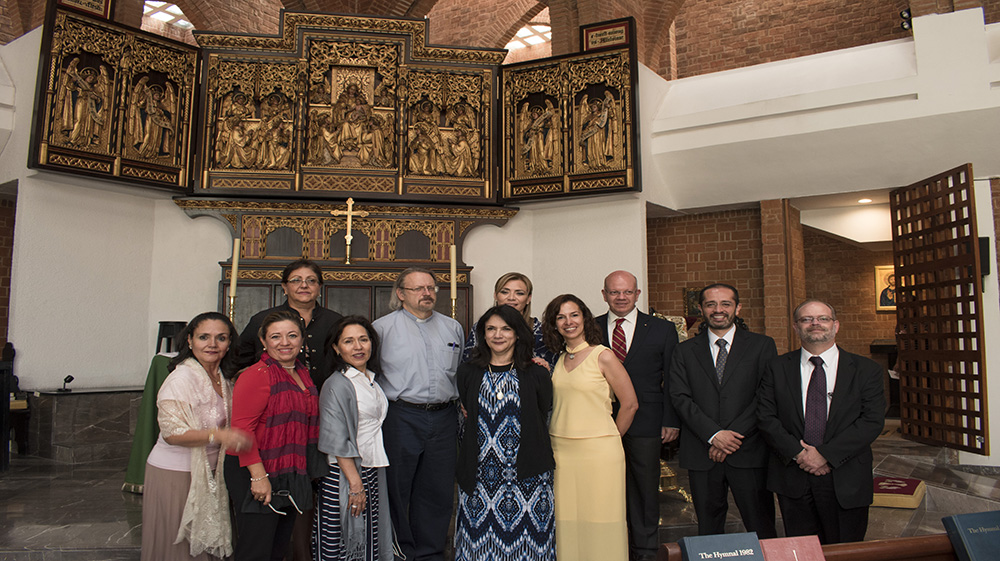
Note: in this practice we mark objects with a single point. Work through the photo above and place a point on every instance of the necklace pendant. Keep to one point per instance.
(499, 395)
(572, 356)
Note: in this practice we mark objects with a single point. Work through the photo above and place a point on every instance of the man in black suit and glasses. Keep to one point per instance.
(644, 344)
(820, 409)
(713, 383)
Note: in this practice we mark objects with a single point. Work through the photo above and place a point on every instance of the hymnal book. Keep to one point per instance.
(801, 548)
(898, 492)
(731, 547)
(975, 536)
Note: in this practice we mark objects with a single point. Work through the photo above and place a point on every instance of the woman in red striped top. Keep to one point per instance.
(276, 401)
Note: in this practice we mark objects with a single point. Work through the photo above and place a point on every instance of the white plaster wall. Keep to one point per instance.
(564, 247)
(95, 265)
(869, 223)
(185, 265)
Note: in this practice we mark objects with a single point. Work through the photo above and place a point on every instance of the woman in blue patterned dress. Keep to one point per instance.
(505, 502)
(514, 290)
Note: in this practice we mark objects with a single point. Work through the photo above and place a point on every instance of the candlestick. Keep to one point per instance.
(235, 274)
(454, 282)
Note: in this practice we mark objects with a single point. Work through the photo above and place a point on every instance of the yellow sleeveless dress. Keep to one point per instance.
(589, 481)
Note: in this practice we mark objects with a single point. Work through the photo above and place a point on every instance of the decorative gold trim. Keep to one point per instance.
(340, 276)
(413, 211)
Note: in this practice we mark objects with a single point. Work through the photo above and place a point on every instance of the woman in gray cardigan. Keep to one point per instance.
(352, 518)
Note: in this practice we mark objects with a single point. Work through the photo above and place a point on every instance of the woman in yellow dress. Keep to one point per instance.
(589, 484)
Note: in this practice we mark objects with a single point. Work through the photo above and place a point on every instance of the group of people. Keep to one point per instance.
(334, 437)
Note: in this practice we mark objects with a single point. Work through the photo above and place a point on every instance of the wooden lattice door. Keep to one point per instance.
(939, 311)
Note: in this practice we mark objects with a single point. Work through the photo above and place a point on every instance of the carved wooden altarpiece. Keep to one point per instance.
(391, 237)
(113, 102)
(273, 132)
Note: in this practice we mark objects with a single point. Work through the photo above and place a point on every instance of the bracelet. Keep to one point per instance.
(353, 494)
(211, 436)
(256, 479)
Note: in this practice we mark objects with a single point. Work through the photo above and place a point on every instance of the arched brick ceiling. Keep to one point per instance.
(452, 21)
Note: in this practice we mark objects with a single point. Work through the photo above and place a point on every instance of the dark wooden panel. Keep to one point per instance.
(939, 312)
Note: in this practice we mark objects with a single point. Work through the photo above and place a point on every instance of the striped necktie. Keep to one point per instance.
(618, 340)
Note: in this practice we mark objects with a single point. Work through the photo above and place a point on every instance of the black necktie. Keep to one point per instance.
(720, 361)
(816, 404)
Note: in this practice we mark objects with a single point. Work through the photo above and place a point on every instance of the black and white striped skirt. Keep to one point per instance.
(328, 543)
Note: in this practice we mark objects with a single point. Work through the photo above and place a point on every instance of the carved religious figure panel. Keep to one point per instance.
(323, 111)
(113, 102)
(569, 126)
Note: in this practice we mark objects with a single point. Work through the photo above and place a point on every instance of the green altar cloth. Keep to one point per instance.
(146, 428)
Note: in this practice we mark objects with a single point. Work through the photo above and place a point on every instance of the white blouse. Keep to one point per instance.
(372, 408)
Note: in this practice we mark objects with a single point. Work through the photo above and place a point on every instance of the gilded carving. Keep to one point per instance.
(351, 103)
(80, 163)
(444, 190)
(603, 183)
(249, 183)
(116, 92)
(349, 183)
(536, 189)
(568, 119)
(238, 205)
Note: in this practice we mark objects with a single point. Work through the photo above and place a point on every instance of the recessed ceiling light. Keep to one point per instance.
(864, 201)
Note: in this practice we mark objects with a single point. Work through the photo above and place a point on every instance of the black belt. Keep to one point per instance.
(424, 406)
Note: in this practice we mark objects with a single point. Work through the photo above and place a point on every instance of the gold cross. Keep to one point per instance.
(350, 214)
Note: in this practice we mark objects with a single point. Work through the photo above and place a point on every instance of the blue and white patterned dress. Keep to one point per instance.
(504, 518)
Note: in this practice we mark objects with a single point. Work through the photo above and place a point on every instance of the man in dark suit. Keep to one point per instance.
(820, 409)
(713, 382)
(644, 344)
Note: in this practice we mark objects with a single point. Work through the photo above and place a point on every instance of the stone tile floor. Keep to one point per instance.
(56, 512)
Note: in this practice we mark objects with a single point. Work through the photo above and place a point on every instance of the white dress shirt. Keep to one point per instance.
(831, 359)
(372, 407)
(628, 326)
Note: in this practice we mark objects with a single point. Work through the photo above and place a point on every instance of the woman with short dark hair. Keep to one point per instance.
(276, 401)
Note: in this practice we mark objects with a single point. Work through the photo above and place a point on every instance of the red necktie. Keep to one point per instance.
(618, 340)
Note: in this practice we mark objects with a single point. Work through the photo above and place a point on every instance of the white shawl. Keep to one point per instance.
(183, 401)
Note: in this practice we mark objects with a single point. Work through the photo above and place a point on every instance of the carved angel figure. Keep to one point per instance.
(597, 131)
(540, 131)
(83, 99)
(152, 115)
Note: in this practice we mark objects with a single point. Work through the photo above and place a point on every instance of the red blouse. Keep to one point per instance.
(283, 418)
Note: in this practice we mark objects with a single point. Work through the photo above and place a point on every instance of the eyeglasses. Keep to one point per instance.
(311, 281)
(420, 289)
(809, 319)
(617, 293)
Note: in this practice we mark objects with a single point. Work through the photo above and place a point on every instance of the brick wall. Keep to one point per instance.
(697, 250)
(7, 207)
(844, 275)
(714, 35)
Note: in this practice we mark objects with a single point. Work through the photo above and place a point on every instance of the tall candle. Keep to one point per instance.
(454, 274)
(236, 267)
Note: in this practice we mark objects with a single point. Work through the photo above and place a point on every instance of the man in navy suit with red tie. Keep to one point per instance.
(645, 345)
(820, 408)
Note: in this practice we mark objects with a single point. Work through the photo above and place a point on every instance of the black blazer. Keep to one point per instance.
(705, 407)
(534, 455)
(856, 418)
(648, 365)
